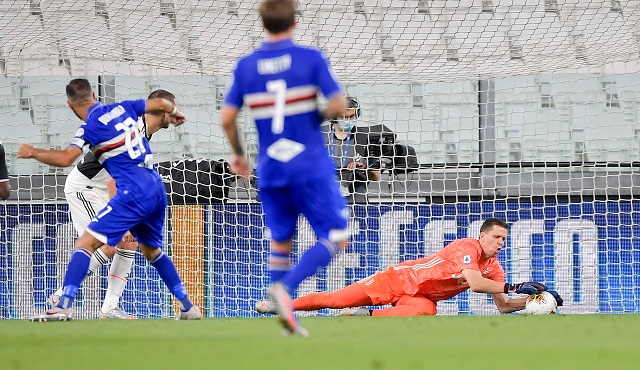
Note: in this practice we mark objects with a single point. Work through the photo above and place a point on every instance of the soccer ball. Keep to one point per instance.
(541, 304)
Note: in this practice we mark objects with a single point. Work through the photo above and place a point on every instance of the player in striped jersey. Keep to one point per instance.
(280, 82)
(414, 287)
(139, 205)
(87, 189)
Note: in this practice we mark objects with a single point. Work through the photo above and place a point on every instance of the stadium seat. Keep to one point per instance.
(190, 91)
(145, 31)
(131, 87)
(224, 37)
(62, 125)
(348, 39)
(544, 36)
(412, 36)
(8, 99)
(602, 31)
(207, 137)
(25, 40)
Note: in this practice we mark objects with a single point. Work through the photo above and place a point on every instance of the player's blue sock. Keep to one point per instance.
(317, 256)
(169, 274)
(76, 272)
(279, 265)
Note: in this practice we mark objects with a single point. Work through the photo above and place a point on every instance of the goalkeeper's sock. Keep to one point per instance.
(319, 255)
(169, 274)
(279, 265)
(76, 272)
(117, 280)
(98, 259)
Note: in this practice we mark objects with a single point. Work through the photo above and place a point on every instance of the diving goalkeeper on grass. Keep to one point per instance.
(414, 287)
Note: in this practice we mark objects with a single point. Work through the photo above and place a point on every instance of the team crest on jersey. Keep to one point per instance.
(467, 259)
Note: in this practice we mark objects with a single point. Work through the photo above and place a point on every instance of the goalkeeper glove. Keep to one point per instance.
(525, 288)
(557, 297)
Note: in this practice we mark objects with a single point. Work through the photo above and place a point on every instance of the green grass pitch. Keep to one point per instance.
(460, 342)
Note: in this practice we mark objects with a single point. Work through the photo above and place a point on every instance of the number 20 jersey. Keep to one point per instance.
(111, 131)
(280, 82)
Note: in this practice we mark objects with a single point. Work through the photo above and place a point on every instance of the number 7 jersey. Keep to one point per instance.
(280, 82)
(113, 135)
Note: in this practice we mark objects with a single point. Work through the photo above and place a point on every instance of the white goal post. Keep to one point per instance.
(527, 110)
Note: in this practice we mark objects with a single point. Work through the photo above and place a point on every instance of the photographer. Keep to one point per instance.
(349, 152)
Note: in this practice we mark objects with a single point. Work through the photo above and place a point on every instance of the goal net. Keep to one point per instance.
(527, 110)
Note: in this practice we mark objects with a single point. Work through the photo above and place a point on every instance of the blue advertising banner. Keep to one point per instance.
(589, 252)
(36, 242)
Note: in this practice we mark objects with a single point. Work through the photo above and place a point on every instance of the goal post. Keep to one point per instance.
(527, 110)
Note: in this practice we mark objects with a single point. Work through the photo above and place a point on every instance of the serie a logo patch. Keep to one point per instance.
(467, 259)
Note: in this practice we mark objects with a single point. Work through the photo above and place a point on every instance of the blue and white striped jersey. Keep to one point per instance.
(280, 82)
(113, 135)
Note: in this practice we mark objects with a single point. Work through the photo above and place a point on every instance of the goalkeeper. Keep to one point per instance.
(414, 287)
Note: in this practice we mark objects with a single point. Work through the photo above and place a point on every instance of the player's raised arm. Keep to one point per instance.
(166, 106)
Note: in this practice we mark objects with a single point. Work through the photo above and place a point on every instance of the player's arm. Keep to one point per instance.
(111, 187)
(233, 101)
(5, 190)
(506, 305)
(155, 105)
(239, 163)
(229, 116)
(58, 158)
(480, 284)
(373, 174)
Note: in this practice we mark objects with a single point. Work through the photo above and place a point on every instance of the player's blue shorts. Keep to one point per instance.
(319, 201)
(142, 214)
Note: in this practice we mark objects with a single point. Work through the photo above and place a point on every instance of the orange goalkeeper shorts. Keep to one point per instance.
(383, 288)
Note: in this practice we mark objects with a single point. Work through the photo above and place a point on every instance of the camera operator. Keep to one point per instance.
(355, 169)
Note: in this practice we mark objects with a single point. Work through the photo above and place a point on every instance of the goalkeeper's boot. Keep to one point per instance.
(53, 314)
(265, 307)
(192, 314)
(53, 299)
(355, 311)
(284, 309)
(115, 313)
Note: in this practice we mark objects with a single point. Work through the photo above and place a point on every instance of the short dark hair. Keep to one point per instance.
(489, 223)
(162, 94)
(278, 15)
(79, 90)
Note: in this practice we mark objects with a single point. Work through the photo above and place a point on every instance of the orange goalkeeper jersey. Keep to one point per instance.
(439, 276)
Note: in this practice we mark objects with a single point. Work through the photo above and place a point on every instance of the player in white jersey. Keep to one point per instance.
(87, 189)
